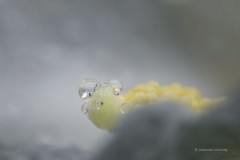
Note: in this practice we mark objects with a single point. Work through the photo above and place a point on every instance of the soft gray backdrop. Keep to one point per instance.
(48, 46)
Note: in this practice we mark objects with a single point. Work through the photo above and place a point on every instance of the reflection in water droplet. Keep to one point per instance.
(116, 85)
(125, 108)
(84, 108)
(99, 104)
(87, 87)
(116, 91)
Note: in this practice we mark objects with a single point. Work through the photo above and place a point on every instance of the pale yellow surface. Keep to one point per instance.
(152, 92)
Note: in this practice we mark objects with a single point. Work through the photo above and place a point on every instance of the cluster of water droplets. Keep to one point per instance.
(89, 86)
(86, 89)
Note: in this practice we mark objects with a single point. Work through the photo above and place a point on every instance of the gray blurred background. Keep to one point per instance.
(48, 46)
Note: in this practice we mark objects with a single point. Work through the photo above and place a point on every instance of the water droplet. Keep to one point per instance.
(116, 91)
(84, 108)
(116, 85)
(87, 87)
(125, 108)
(99, 104)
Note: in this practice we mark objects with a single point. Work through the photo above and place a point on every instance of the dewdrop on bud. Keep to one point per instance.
(99, 104)
(87, 87)
(125, 108)
(84, 108)
(116, 86)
